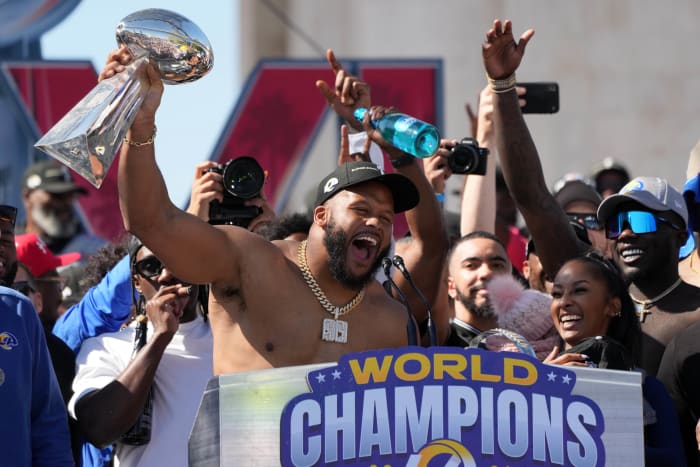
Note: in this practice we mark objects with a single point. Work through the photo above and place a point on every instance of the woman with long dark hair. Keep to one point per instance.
(599, 327)
(594, 315)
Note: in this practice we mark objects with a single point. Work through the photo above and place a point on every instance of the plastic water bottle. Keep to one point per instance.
(406, 133)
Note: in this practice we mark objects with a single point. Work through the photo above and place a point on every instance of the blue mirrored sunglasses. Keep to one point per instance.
(640, 222)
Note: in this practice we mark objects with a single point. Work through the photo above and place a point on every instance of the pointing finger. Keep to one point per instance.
(333, 62)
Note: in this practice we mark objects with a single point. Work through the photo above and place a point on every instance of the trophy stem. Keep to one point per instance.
(88, 137)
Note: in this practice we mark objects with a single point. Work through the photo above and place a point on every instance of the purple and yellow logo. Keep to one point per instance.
(445, 451)
(8, 340)
(438, 407)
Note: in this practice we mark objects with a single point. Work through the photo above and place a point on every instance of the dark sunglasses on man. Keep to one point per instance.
(640, 222)
(588, 220)
(149, 267)
(8, 213)
(24, 287)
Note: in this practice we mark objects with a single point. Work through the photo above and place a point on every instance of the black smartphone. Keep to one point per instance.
(540, 98)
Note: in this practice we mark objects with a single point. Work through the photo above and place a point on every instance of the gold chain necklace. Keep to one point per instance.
(645, 305)
(334, 330)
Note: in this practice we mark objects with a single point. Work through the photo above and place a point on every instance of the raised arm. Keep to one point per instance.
(179, 239)
(554, 238)
(425, 255)
(478, 206)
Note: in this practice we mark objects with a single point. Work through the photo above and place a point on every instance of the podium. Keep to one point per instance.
(416, 406)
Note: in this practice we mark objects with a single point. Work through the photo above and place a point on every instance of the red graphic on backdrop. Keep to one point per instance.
(275, 120)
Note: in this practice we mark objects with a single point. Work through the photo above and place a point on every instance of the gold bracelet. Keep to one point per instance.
(138, 144)
(502, 85)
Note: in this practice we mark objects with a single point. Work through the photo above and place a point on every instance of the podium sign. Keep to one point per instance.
(440, 406)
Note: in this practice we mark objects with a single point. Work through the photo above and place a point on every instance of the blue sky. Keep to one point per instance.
(192, 115)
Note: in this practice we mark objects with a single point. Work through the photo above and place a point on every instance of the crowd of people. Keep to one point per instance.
(601, 274)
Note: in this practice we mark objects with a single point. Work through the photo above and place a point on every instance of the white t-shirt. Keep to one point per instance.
(182, 375)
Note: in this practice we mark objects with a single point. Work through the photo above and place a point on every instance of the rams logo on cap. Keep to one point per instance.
(8, 340)
(634, 185)
(330, 185)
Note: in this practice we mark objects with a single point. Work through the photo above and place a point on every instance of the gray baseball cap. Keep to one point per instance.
(653, 193)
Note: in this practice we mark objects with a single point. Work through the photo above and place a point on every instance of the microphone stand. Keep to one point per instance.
(432, 332)
(389, 284)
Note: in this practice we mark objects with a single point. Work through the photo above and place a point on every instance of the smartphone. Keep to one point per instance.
(540, 98)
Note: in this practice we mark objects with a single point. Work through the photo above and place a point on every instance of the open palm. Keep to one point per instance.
(501, 54)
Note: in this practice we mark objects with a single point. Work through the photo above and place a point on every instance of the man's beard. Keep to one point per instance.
(52, 225)
(9, 278)
(335, 242)
(485, 310)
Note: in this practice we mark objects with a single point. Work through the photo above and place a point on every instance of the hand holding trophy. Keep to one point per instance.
(87, 138)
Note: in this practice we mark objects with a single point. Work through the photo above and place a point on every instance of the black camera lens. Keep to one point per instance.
(468, 158)
(462, 160)
(243, 177)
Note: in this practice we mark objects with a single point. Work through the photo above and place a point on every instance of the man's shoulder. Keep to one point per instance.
(17, 314)
(688, 338)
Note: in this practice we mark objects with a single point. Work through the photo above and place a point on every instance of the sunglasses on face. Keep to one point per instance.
(589, 221)
(24, 287)
(640, 222)
(8, 213)
(149, 267)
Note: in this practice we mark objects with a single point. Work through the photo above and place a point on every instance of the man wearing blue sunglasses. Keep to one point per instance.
(647, 220)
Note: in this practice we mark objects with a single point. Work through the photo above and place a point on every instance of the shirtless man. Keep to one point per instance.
(271, 304)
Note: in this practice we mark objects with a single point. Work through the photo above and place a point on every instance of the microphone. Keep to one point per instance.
(432, 332)
(390, 284)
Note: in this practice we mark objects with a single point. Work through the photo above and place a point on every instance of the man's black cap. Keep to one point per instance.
(133, 245)
(50, 176)
(350, 174)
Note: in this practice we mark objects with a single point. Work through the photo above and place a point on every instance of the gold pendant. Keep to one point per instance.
(642, 311)
(335, 330)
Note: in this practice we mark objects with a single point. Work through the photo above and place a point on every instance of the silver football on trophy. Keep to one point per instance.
(175, 44)
(87, 138)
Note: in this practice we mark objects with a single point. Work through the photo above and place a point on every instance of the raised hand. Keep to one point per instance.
(436, 168)
(166, 307)
(376, 113)
(148, 75)
(501, 54)
(345, 155)
(349, 92)
(206, 187)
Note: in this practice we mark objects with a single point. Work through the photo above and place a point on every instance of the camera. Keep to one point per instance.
(467, 157)
(243, 179)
